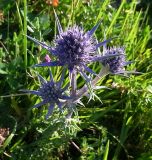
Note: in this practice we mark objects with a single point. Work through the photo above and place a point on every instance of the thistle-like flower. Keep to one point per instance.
(116, 64)
(74, 48)
(51, 93)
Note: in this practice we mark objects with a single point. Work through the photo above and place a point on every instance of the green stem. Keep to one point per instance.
(73, 83)
(25, 33)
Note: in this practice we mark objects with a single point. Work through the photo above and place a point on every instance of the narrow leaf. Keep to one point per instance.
(105, 156)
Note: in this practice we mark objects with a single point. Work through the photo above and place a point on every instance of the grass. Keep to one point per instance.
(25, 33)
(117, 128)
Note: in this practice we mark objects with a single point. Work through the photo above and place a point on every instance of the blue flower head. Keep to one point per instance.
(116, 64)
(51, 93)
(74, 48)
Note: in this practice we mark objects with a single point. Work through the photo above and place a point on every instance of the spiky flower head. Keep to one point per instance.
(116, 64)
(51, 93)
(74, 48)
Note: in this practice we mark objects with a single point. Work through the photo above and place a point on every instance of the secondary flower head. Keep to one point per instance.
(116, 64)
(51, 93)
(74, 48)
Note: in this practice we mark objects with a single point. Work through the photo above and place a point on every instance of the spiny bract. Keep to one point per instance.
(51, 93)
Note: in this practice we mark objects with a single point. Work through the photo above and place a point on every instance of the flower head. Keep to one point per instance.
(116, 64)
(74, 48)
(51, 93)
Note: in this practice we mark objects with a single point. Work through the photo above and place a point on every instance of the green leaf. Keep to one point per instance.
(2, 71)
(105, 156)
